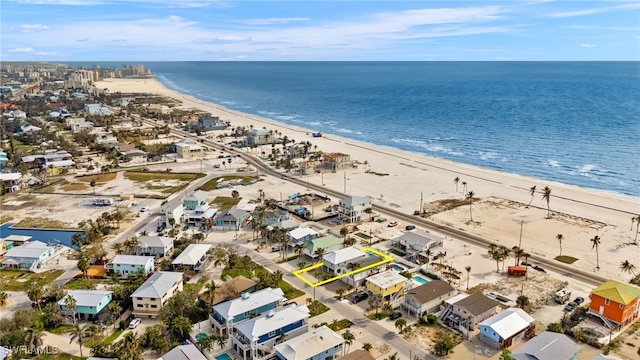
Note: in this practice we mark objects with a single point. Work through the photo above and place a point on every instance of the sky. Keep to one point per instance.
(209, 30)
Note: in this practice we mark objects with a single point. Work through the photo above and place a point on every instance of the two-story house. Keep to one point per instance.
(389, 284)
(328, 243)
(209, 123)
(260, 137)
(505, 328)
(195, 199)
(318, 344)
(428, 298)
(127, 265)
(353, 208)
(183, 352)
(188, 149)
(231, 219)
(301, 235)
(89, 303)
(29, 256)
(418, 245)
(154, 293)
(616, 303)
(342, 261)
(172, 210)
(202, 215)
(336, 161)
(158, 246)
(464, 312)
(254, 339)
(226, 315)
(192, 258)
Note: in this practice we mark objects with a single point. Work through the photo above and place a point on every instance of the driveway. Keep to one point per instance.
(17, 300)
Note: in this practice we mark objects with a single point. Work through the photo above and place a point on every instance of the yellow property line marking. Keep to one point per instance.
(385, 259)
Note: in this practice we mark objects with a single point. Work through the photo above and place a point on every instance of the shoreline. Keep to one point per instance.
(403, 180)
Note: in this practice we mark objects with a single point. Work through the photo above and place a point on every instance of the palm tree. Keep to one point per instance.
(626, 266)
(114, 312)
(375, 302)
(635, 240)
(505, 254)
(456, 181)
(70, 303)
(369, 211)
(522, 301)
(595, 244)
(319, 253)
(400, 324)
(470, 195)
(560, 237)
(76, 333)
(348, 338)
(496, 255)
(367, 347)
(468, 268)
(4, 298)
(517, 253)
(83, 266)
(344, 231)
(36, 295)
(340, 293)
(532, 191)
(546, 195)
(35, 334)
(93, 185)
(211, 288)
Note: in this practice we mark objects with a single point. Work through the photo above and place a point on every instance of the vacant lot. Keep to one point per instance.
(20, 280)
(99, 178)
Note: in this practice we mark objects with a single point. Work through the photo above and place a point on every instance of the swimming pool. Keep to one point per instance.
(420, 280)
(397, 268)
(223, 356)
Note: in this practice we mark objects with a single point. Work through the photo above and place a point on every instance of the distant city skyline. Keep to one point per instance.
(207, 30)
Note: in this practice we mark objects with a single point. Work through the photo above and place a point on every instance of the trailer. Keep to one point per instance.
(562, 296)
(517, 270)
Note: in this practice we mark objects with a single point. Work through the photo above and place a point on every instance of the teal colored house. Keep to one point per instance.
(231, 219)
(125, 265)
(225, 315)
(197, 198)
(89, 303)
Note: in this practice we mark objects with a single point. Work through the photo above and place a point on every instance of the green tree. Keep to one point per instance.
(348, 339)
(114, 312)
(456, 181)
(375, 302)
(83, 266)
(555, 327)
(522, 301)
(93, 186)
(344, 231)
(505, 355)
(443, 346)
(532, 191)
(35, 294)
(595, 241)
(129, 347)
(319, 253)
(367, 347)
(400, 324)
(468, 269)
(546, 195)
(470, 195)
(627, 267)
(76, 334)
(340, 293)
(4, 298)
(180, 327)
(210, 290)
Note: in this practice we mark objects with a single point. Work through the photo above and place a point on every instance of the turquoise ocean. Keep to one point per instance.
(572, 122)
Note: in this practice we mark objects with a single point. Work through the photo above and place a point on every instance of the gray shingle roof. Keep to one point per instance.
(431, 290)
(477, 304)
(547, 346)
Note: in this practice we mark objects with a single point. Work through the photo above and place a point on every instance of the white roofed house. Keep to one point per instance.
(260, 137)
(202, 215)
(418, 246)
(158, 246)
(128, 265)
(154, 293)
(89, 303)
(352, 209)
(192, 259)
(133, 157)
(319, 344)
(172, 210)
(255, 338)
(226, 315)
(342, 261)
(505, 328)
(302, 235)
(547, 346)
(195, 199)
(29, 256)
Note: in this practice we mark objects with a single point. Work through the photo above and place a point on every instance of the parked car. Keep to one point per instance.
(276, 249)
(392, 224)
(144, 208)
(579, 300)
(359, 297)
(395, 315)
(410, 227)
(134, 323)
(216, 166)
(570, 306)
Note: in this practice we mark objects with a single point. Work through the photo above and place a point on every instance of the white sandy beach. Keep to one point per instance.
(580, 213)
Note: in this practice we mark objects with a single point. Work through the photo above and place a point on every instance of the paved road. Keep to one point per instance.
(346, 310)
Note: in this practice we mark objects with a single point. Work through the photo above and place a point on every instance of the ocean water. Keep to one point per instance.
(572, 122)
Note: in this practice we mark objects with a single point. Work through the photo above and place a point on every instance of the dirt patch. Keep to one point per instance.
(42, 223)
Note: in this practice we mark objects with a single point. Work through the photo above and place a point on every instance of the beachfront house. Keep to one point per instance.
(390, 285)
(327, 243)
(195, 199)
(301, 235)
(127, 265)
(209, 123)
(428, 298)
(260, 137)
(615, 303)
(158, 246)
(29, 256)
(188, 149)
(255, 338)
(318, 344)
(418, 246)
(184, 352)
(354, 208)
(226, 315)
(342, 261)
(191, 259)
(547, 345)
(89, 303)
(171, 213)
(154, 293)
(505, 328)
(464, 312)
(335, 161)
(231, 219)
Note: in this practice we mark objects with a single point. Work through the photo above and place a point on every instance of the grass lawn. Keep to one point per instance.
(62, 329)
(379, 316)
(61, 356)
(41, 223)
(20, 280)
(566, 259)
(99, 178)
(289, 291)
(317, 308)
(211, 184)
(337, 325)
(223, 203)
(140, 176)
(81, 284)
(197, 286)
(112, 337)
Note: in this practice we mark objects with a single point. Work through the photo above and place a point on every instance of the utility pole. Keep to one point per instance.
(420, 209)
(520, 242)
(345, 182)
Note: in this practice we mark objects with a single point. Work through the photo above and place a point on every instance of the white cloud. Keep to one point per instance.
(232, 39)
(34, 27)
(47, 53)
(61, 2)
(21, 50)
(593, 11)
(588, 46)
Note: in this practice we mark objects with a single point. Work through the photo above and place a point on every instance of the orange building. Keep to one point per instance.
(616, 303)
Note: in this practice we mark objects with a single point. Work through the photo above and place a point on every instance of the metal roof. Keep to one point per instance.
(547, 346)
(308, 345)
(192, 254)
(387, 279)
(31, 249)
(272, 321)
(154, 241)
(131, 259)
(183, 352)
(85, 297)
(343, 255)
(508, 322)
(249, 301)
(618, 292)
(158, 285)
